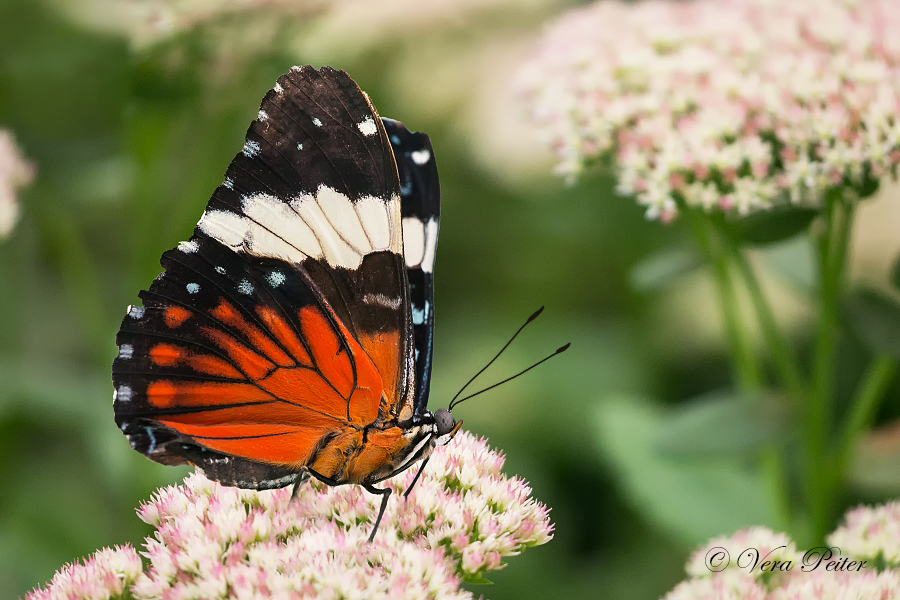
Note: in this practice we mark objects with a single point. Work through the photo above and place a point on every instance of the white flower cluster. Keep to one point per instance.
(729, 105)
(741, 573)
(213, 541)
(107, 573)
(871, 533)
(15, 173)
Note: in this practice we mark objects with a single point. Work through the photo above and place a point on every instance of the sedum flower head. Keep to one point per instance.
(840, 585)
(725, 104)
(728, 585)
(459, 522)
(868, 534)
(15, 173)
(105, 574)
(743, 548)
(871, 534)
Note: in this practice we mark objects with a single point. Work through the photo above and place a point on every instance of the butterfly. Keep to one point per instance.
(291, 337)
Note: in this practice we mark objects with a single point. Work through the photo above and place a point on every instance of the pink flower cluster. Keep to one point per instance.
(871, 533)
(868, 534)
(730, 105)
(106, 574)
(15, 173)
(212, 541)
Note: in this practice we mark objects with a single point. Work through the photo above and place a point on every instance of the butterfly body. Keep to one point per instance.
(291, 336)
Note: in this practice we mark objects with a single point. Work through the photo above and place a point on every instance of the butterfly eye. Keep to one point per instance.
(444, 421)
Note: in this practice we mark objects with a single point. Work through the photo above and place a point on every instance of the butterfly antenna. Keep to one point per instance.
(530, 319)
(543, 360)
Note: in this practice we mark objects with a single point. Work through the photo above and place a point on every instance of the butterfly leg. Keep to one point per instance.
(302, 477)
(416, 478)
(385, 494)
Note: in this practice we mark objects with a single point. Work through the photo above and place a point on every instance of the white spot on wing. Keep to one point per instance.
(413, 241)
(251, 149)
(431, 235)
(228, 183)
(293, 240)
(420, 157)
(123, 394)
(136, 312)
(278, 88)
(382, 300)
(220, 270)
(244, 234)
(317, 122)
(192, 288)
(299, 146)
(263, 115)
(245, 287)
(275, 278)
(344, 220)
(418, 316)
(337, 252)
(126, 351)
(373, 214)
(368, 126)
(188, 247)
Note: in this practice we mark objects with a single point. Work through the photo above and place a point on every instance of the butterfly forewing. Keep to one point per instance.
(284, 323)
(420, 194)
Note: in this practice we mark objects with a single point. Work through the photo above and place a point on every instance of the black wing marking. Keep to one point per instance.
(420, 195)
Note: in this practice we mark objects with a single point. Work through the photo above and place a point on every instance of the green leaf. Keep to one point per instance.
(776, 225)
(478, 580)
(721, 424)
(663, 269)
(692, 499)
(875, 319)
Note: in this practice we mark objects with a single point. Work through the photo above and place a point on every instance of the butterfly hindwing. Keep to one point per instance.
(420, 195)
(284, 323)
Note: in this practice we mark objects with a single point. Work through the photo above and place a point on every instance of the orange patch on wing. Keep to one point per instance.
(284, 334)
(281, 445)
(305, 387)
(175, 316)
(248, 361)
(384, 351)
(213, 365)
(228, 314)
(330, 358)
(271, 413)
(336, 366)
(167, 394)
(166, 355)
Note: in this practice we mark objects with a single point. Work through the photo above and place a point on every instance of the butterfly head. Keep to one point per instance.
(446, 425)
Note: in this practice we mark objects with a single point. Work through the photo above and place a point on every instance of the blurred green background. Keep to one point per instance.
(132, 114)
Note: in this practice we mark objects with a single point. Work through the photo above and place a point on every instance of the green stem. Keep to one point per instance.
(818, 414)
(784, 359)
(863, 408)
(747, 371)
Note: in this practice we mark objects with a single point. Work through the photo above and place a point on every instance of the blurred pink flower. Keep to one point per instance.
(841, 585)
(105, 574)
(868, 534)
(15, 173)
(461, 519)
(871, 533)
(769, 545)
(732, 104)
